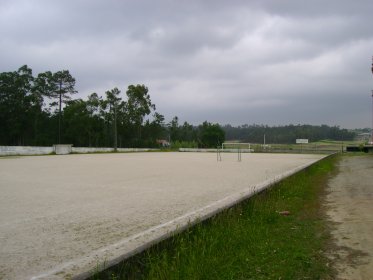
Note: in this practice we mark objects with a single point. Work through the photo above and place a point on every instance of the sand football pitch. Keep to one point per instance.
(62, 215)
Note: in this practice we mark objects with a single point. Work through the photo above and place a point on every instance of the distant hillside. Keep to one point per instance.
(286, 134)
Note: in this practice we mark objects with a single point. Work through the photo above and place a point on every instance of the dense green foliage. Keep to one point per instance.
(40, 111)
(205, 135)
(22, 119)
(250, 241)
(286, 134)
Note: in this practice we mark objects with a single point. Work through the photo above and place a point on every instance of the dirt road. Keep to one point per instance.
(350, 207)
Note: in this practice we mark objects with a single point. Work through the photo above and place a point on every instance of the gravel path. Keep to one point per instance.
(61, 215)
(350, 204)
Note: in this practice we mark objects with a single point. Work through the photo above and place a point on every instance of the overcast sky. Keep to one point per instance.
(264, 62)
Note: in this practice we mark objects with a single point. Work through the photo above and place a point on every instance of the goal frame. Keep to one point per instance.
(233, 144)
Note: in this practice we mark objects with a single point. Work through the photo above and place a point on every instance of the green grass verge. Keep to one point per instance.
(249, 241)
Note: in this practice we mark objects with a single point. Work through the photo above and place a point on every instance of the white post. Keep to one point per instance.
(371, 132)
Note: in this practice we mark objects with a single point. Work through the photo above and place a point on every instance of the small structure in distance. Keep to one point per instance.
(301, 141)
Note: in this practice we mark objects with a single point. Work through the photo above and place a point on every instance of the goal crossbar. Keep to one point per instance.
(232, 144)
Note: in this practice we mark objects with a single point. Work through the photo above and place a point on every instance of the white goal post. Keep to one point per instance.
(233, 147)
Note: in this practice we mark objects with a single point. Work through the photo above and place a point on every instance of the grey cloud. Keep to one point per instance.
(232, 62)
(315, 8)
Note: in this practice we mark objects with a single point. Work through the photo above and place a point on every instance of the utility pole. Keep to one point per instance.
(115, 128)
(59, 113)
(371, 132)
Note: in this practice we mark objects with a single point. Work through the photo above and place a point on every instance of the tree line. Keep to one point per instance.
(286, 134)
(40, 111)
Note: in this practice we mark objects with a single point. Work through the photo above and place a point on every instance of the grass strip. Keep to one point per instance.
(249, 241)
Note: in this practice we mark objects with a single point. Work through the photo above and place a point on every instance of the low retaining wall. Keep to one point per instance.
(327, 152)
(279, 151)
(62, 150)
(25, 150)
(85, 150)
(215, 150)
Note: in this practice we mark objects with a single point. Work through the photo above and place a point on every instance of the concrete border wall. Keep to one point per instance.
(194, 150)
(326, 152)
(25, 150)
(61, 150)
(85, 150)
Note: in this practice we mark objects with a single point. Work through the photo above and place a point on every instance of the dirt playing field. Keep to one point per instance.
(62, 215)
(350, 208)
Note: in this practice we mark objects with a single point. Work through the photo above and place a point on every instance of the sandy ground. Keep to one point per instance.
(61, 215)
(350, 207)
